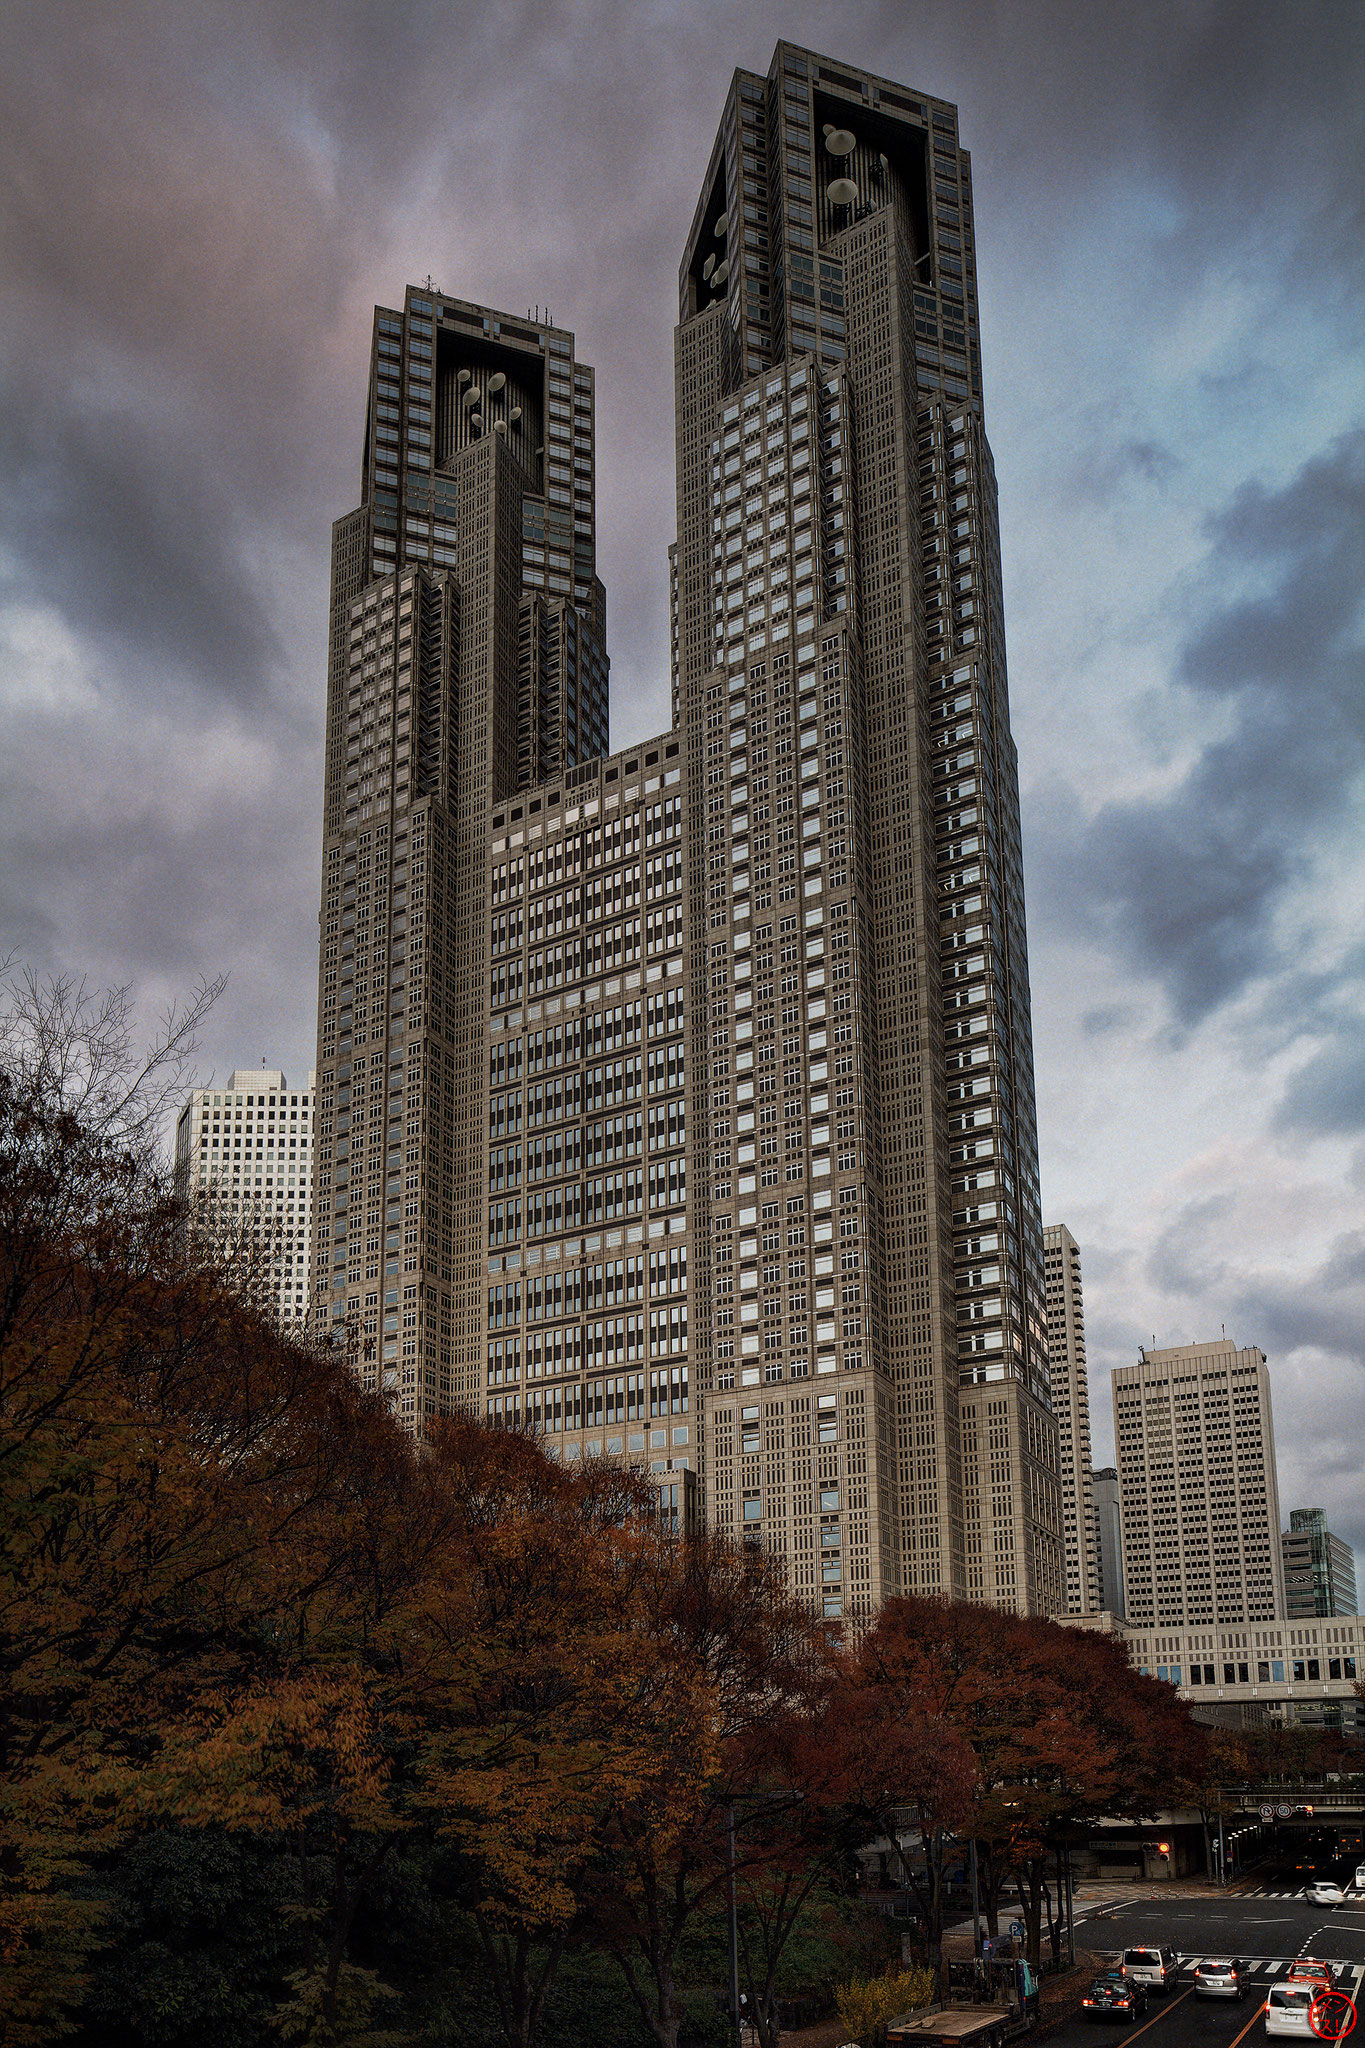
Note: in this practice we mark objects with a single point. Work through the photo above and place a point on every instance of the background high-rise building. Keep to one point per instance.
(1108, 1540)
(1198, 1496)
(1071, 1405)
(681, 1101)
(243, 1162)
(1319, 1569)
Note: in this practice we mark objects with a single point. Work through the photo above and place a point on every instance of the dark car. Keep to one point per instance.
(1114, 1997)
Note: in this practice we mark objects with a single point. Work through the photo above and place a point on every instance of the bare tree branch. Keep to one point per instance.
(75, 1049)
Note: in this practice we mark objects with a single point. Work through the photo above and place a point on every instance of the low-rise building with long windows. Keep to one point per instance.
(1283, 1670)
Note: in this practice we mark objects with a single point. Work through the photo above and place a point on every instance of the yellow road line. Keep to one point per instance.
(1162, 2014)
(1250, 2023)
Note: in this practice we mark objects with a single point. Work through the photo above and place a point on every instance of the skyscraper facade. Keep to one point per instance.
(1319, 1568)
(1071, 1405)
(1109, 1540)
(680, 1101)
(243, 1167)
(466, 660)
(1198, 1496)
(870, 1247)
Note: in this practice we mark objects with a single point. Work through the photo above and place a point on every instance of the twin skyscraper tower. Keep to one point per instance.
(679, 1101)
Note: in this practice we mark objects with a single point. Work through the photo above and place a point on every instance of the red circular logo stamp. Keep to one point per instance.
(1332, 2015)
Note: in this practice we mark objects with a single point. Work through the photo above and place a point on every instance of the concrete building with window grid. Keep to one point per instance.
(1071, 1405)
(680, 1100)
(1288, 1670)
(1319, 1569)
(1198, 1497)
(243, 1162)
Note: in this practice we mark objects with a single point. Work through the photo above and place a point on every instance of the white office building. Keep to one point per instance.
(1198, 1499)
(243, 1159)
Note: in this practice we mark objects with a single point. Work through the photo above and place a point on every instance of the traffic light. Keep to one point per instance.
(1164, 1847)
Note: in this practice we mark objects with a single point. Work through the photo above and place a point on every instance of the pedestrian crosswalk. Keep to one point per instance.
(1266, 1891)
(1266, 1969)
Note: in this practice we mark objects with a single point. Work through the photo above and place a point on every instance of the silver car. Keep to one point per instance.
(1220, 1977)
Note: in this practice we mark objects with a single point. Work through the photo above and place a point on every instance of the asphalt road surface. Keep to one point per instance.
(1268, 1933)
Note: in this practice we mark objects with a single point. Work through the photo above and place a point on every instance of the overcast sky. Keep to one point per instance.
(200, 205)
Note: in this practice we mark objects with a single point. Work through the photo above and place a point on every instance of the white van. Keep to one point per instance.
(1157, 1968)
(1288, 2007)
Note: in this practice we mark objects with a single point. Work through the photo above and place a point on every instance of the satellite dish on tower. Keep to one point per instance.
(841, 142)
(843, 191)
(496, 381)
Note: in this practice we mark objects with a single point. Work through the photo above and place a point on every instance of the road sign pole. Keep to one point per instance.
(976, 1904)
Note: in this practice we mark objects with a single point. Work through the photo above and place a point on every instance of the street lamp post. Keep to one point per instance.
(976, 1904)
(769, 1799)
(734, 1925)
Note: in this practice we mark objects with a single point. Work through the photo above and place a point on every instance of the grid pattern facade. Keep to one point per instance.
(466, 661)
(1071, 1402)
(699, 1122)
(874, 1370)
(1109, 1542)
(588, 1245)
(1290, 1670)
(1198, 1497)
(243, 1165)
(1319, 1569)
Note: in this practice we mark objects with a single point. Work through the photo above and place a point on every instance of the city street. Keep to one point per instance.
(1267, 1931)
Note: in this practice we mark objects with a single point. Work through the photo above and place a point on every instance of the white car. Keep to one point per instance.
(1360, 1877)
(1288, 2008)
(1323, 1893)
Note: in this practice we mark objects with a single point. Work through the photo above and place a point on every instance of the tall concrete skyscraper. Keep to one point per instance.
(680, 1101)
(861, 1010)
(1198, 1496)
(466, 660)
(1071, 1404)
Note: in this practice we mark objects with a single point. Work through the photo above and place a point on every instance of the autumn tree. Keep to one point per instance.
(722, 1615)
(542, 1705)
(174, 1473)
(1052, 1728)
(795, 1771)
(910, 1771)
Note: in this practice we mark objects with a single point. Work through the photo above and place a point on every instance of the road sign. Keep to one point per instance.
(1284, 1811)
(1017, 1928)
(1267, 1813)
